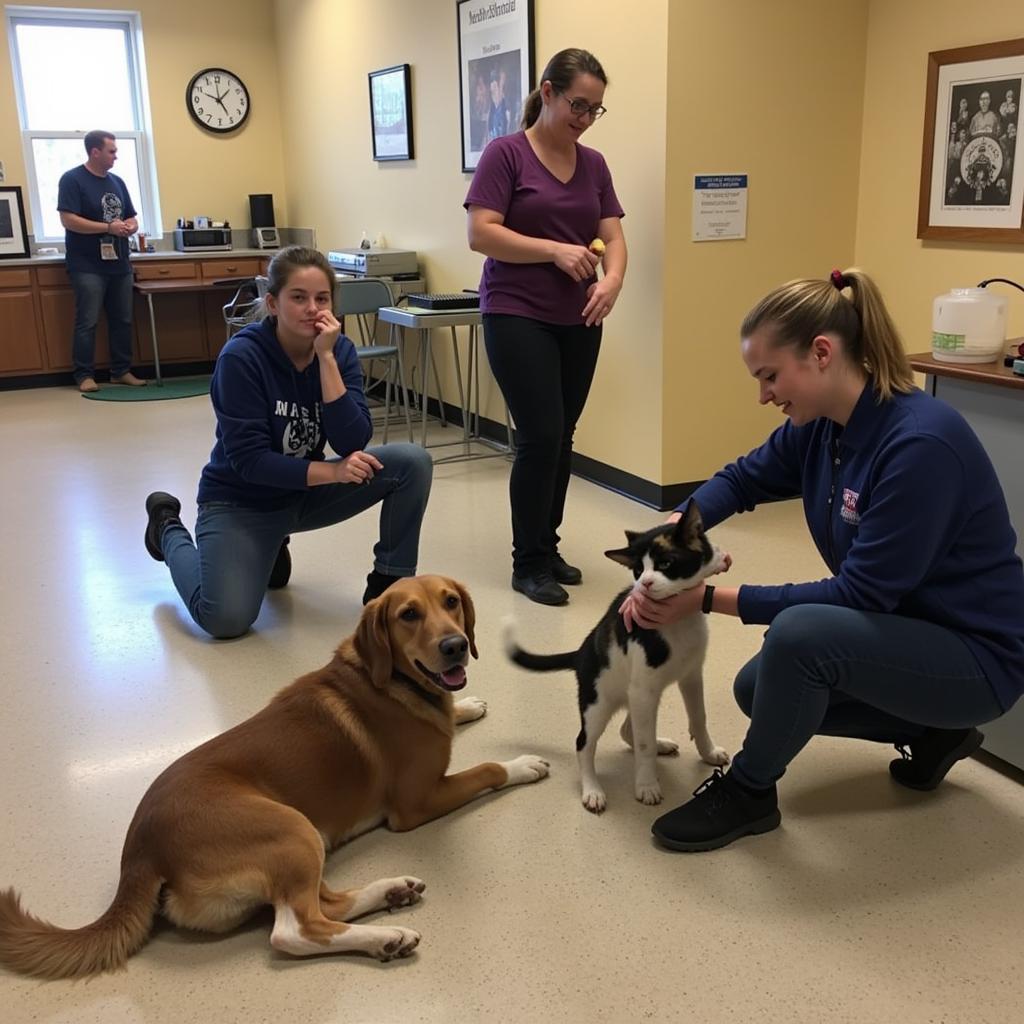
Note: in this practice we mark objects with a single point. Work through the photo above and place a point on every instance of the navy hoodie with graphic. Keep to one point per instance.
(272, 419)
(906, 510)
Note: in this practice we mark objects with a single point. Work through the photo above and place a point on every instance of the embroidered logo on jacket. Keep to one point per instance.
(848, 512)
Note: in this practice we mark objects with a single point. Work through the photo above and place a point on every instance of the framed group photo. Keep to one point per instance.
(971, 187)
(495, 70)
(391, 113)
(13, 230)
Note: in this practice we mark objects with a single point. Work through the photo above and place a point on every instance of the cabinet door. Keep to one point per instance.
(20, 350)
(58, 308)
(180, 332)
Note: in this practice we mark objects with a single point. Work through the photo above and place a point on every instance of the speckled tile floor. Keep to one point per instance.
(870, 903)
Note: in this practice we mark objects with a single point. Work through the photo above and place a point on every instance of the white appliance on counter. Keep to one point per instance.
(374, 262)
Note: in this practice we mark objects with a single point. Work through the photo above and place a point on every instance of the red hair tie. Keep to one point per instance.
(839, 282)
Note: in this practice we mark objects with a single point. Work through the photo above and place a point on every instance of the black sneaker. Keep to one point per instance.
(565, 573)
(721, 811)
(541, 588)
(376, 584)
(162, 509)
(282, 571)
(931, 756)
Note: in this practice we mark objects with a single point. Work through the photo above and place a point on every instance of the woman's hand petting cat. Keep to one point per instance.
(651, 614)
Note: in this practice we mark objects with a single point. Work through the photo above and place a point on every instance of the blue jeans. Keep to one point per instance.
(93, 292)
(831, 671)
(223, 575)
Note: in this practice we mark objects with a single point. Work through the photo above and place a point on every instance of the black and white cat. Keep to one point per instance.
(615, 669)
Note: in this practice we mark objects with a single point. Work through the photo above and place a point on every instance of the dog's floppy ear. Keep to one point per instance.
(468, 615)
(373, 640)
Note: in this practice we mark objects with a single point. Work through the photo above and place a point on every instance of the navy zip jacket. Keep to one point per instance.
(907, 512)
(272, 419)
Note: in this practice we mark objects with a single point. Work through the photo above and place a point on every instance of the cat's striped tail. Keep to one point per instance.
(534, 662)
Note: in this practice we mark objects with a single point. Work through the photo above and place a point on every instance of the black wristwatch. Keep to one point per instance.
(709, 596)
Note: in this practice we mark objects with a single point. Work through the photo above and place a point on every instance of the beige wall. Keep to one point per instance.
(772, 90)
(336, 186)
(912, 272)
(198, 173)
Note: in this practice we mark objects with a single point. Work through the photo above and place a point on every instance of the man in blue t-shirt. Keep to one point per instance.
(98, 218)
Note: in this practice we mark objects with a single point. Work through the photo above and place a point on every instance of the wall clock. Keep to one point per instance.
(217, 100)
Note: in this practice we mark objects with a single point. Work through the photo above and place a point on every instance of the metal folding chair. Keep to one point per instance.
(360, 298)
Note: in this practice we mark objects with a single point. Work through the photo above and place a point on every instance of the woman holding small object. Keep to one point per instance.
(543, 209)
(282, 389)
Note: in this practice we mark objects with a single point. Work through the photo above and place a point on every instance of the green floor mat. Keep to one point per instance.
(173, 387)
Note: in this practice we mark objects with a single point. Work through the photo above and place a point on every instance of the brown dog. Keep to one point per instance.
(244, 819)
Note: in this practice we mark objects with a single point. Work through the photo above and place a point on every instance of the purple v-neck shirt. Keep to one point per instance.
(511, 179)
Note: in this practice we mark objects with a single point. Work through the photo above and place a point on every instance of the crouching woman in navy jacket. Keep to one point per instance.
(918, 635)
(282, 388)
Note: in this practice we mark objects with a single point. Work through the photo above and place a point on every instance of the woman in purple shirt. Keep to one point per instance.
(537, 201)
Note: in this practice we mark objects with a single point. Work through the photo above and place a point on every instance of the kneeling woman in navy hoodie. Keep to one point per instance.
(917, 637)
(281, 389)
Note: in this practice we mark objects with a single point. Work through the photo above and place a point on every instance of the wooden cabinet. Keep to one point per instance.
(21, 351)
(37, 313)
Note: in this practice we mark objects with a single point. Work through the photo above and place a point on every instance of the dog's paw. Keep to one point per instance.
(525, 768)
(396, 943)
(714, 755)
(667, 748)
(469, 709)
(594, 800)
(403, 892)
(648, 793)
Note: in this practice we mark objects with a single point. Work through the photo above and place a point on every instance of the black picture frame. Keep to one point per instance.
(391, 113)
(971, 189)
(496, 53)
(13, 229)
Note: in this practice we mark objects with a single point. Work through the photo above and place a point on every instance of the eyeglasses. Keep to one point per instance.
(579, 107)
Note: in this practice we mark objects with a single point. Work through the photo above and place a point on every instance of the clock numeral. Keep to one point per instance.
(216, 78)
(209, 118)
(199, 110)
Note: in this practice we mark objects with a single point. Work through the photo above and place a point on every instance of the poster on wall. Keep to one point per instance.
(13, 230)
(971, 186)
(719, 207)
(495, 70)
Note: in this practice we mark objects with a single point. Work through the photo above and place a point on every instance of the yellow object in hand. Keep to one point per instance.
(597, 247)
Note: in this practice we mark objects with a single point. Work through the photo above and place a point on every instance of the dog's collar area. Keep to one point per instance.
(433, 699)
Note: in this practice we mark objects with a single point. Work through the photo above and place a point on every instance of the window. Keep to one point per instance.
(65, 89)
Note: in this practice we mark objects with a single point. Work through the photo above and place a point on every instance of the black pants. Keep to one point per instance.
(544, 371)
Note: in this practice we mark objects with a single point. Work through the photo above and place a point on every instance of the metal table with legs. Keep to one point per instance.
(423, 321)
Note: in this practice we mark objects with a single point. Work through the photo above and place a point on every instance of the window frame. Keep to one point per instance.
(148, 201)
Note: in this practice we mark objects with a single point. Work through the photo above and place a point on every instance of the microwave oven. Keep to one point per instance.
(202, 239)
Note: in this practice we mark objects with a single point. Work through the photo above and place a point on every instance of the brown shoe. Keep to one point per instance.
(128, 378)
(87, 385)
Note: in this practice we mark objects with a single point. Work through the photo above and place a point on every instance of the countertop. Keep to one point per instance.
(981, 373)
(140, 257)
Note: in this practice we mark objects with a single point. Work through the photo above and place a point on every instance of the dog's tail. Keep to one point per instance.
(534, 662)
(31, 946)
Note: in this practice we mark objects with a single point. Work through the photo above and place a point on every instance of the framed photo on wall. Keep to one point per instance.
(13, 231)
(972, 188)
(495, 70)
(391, 113)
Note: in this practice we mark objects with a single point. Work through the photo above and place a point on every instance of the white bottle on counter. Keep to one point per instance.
(968, 326)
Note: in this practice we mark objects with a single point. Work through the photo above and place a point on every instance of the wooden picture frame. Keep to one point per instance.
(13, 229)
(495, 71)
(391, 113)
(972, 188)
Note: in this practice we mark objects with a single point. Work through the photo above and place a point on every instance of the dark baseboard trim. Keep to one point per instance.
(63, 378)
(656, 496)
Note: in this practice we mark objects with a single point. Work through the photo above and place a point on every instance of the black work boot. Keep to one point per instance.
(720, 812)
(931, 756)
(162, 509)
(376, 584)
(540, 587)
(282, 571)
(565, 573)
